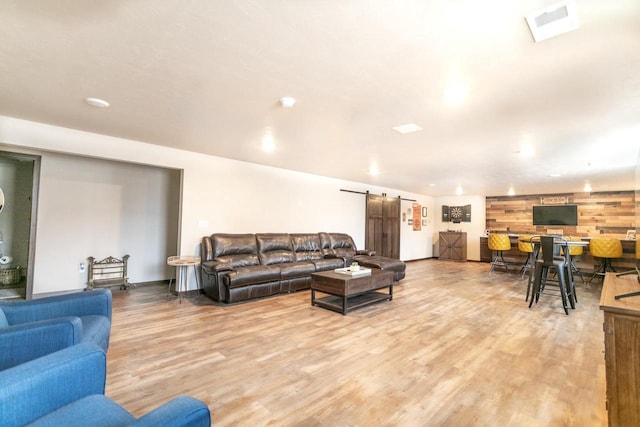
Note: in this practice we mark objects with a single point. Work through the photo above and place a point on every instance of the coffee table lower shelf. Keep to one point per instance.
(347, 303)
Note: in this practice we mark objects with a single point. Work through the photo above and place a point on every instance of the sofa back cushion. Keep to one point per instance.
(342, 245)
(274, 248)
(238, 250)
(325, 244)
(306, 246)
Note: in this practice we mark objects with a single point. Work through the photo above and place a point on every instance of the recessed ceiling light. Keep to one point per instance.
(527, 150)
(287, 101)
(96, 102)
(267, 141)
(554, 175)
(407, 128)
(456, 94)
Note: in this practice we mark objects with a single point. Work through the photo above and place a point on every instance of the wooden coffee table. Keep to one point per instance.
(346, 292)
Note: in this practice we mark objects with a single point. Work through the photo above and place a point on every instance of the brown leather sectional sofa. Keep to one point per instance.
(237, 267)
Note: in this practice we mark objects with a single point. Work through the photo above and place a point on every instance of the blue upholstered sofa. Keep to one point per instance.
(34, 328)
(66, 388)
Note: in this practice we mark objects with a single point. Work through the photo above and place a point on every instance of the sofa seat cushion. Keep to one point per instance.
(96, 329)
(95, 410)
(296, 269)
(328, 264)
(250, 275)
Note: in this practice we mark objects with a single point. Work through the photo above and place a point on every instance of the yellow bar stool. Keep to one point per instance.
(499, 243)
(636, 270)
(606, 249)
(525, 245)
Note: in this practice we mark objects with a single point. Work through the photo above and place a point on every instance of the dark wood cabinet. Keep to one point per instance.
(452, 246)
(622, 349)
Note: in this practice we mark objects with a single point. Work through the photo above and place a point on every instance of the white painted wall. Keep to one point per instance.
(417, 243)
(92, 207)
(218, 195)
(474, 229)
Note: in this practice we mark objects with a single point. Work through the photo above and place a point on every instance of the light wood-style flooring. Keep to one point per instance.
(457, 346)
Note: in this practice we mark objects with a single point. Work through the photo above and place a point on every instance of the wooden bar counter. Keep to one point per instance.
(622, 349)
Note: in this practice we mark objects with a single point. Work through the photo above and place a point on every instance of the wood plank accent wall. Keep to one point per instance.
(608, 213)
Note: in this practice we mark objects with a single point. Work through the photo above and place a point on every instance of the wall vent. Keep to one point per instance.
(554, 20)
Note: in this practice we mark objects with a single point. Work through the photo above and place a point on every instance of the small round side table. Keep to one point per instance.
(182, 264)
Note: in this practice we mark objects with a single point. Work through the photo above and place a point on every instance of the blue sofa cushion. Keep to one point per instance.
(96, 410)
(96, 329)
(33, 389)
(91, 308)
(3, 319)
(22, 343)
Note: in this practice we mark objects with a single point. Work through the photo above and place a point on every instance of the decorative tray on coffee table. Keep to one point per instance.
(347, 270)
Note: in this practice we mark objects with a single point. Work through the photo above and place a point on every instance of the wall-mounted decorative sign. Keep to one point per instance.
(417, 211)
(554, 200)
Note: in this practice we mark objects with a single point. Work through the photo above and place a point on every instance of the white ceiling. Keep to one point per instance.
(206, 76)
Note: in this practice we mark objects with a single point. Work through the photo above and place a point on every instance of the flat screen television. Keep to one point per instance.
(555, 215)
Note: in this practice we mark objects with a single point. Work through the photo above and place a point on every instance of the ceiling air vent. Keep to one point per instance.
(552, 21)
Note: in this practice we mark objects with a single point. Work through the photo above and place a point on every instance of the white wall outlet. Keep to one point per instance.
(82, 267)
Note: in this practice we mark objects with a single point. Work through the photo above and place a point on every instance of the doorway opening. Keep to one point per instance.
(19, 181)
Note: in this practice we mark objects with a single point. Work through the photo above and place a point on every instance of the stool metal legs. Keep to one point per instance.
(565, 285)
(605, 265)
(499, 260)
(529, 264)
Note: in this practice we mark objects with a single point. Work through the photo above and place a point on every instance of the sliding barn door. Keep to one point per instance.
(383, 225)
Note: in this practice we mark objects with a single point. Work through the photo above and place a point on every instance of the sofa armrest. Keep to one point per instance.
(22, 343)
(365, 252)
(181, 411)
(212, 267)
(33, 389)
(87, 303)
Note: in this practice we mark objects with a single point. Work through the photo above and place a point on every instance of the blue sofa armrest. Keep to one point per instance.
(94, 302)
(22, 343)
(33, 389)
(181, 411)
